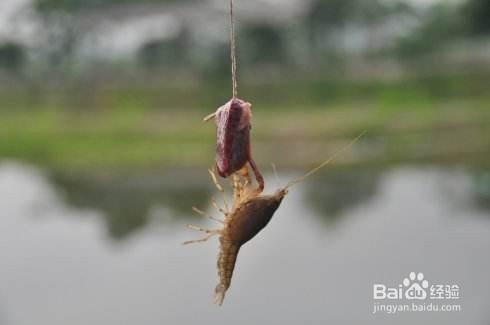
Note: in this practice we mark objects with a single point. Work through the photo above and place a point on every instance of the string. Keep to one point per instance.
(233, 52)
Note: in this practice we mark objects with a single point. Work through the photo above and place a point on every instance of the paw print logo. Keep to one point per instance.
(416, 286)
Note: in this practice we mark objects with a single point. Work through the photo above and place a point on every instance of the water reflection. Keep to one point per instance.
(128, 202)
(331, 193)
(57, 265)
(481, 189)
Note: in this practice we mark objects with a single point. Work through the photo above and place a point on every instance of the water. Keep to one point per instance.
(107, 251)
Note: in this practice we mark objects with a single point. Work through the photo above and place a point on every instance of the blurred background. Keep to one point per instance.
(103, 153)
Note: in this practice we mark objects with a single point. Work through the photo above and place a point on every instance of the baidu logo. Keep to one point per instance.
(415, 293)
(416, 286)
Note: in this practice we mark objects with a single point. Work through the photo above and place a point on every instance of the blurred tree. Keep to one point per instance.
(77, 5)
(62, 33)
(126, 202)
(443, 22)
(171, 52)
(326, 19)
(12, 56)
(215, 63)
(331, 194)
(262, 43)
(478, 14)
(323, 17)
(327, 13)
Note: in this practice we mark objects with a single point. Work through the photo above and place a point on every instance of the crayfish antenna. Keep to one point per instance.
(325, 163)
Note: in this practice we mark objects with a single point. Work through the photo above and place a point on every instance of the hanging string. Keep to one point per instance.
(233, 52)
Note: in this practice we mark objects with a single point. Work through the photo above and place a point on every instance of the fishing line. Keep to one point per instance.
(233, 52)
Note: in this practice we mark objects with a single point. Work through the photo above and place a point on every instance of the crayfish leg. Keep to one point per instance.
(220, 189)
(202, 213)
(258, 176)
(210, 233)
(237, 189)
(207, 231)
(202, 240)
(245, 174)
(218, 208)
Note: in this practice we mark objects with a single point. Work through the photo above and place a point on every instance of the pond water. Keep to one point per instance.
(105, 250)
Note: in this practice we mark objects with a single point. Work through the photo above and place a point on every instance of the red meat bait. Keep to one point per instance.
(233, 149)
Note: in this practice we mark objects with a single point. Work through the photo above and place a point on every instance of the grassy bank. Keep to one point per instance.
(126, 132)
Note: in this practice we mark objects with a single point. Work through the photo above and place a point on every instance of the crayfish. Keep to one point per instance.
(249, 213)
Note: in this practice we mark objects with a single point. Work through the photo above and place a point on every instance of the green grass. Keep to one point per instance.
(136, 129)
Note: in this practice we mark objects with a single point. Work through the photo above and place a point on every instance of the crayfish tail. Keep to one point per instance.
(226, 265)
(219, 294)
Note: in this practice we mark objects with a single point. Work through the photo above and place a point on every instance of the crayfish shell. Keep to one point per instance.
(244, 223)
